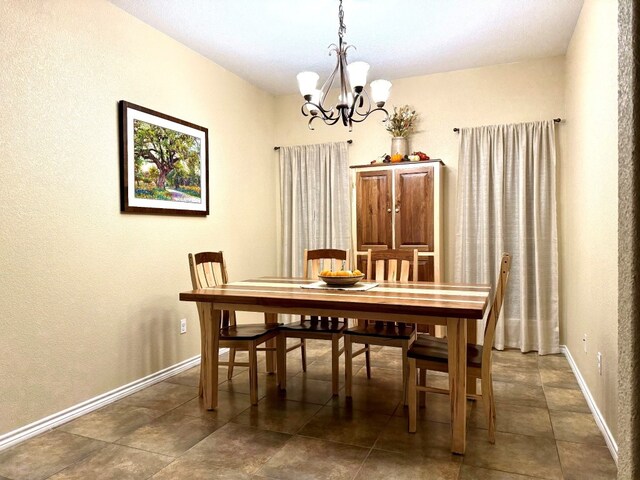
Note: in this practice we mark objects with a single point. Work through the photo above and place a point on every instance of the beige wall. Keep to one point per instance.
(89, 295)
(589, 200)
(510, 93)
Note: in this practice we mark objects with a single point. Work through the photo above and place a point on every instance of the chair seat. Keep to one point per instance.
(383, 329)
(322, 325)
(436, 350)
(251, 331)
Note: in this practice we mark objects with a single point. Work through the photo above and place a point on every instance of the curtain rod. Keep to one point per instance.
(556, 120)
(348, 141)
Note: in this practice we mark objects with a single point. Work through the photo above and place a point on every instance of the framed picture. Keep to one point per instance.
(164, 163)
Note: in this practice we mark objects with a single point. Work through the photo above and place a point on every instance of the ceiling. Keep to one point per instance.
(267, 42)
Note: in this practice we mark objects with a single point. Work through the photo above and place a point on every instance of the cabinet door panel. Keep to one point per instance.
(425, 269)
(373, 210)
(414, 208)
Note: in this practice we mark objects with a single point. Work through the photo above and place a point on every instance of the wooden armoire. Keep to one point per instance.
(399, 205)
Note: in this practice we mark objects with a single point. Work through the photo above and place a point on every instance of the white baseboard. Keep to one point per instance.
(21, 434)
(602, 425)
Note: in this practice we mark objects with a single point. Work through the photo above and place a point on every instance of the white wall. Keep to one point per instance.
(589, 202)
(89, 295)
(511, 93)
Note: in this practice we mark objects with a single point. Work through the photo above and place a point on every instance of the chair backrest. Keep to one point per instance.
(400, 265)
(209, 270)
(496, 307)
(315, 261)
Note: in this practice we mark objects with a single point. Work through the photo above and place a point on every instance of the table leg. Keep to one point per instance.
(209, 357)
(457, 342)
(271, 354)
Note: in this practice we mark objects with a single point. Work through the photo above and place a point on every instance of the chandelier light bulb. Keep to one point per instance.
(307, 82)
(380, 91)
(358, 73)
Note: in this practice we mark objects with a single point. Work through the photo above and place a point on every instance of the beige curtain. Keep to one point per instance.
(314, 199)
(507, 203)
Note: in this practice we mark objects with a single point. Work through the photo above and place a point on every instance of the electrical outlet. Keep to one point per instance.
(183, 326)
(599, 363)
(584, 342)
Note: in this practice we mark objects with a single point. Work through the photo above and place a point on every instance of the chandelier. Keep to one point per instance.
(353, 103)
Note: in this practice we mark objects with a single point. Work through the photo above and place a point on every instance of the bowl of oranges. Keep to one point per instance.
(341, 277)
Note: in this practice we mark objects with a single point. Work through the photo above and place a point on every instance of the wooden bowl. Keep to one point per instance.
(341, 281)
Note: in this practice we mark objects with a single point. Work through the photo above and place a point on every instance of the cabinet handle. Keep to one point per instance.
(397, 209)
(389, 210)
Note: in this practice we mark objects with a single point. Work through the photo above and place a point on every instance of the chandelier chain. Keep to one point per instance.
(343, 29)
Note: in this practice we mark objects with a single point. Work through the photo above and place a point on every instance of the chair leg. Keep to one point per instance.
(348, 365)
(412, 392)
(232, 360)
(405, 372)
(423, 381)
(489, 406)
(471, 386)
(335, 363)
(253, 373)
(281, 359)
(367, 360)
(303, 352)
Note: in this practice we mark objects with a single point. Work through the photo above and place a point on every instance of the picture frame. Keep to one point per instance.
(164, 163)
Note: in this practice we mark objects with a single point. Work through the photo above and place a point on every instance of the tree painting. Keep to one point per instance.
(167, 163)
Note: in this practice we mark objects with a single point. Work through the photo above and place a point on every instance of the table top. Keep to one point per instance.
(411, 299)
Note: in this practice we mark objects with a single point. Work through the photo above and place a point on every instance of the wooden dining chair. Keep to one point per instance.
(208, 269)
(429, 353)
(313, 327)
(383, 265)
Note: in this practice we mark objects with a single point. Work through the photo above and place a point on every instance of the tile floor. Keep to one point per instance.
(544, 428)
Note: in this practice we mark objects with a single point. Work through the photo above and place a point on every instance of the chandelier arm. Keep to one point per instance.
(327, 121)
(354, 106)
(326, 87)
(318, 108)
(378, 109)
(361, 104)
(345, 84)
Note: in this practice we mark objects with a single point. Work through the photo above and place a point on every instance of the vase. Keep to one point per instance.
(400, 145)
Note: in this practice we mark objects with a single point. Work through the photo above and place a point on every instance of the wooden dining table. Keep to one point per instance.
(448, 304)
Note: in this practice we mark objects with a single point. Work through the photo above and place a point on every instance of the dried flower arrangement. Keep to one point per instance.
(402, 122)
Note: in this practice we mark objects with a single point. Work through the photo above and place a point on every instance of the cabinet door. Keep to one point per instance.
(373, 209)
(414, 208)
